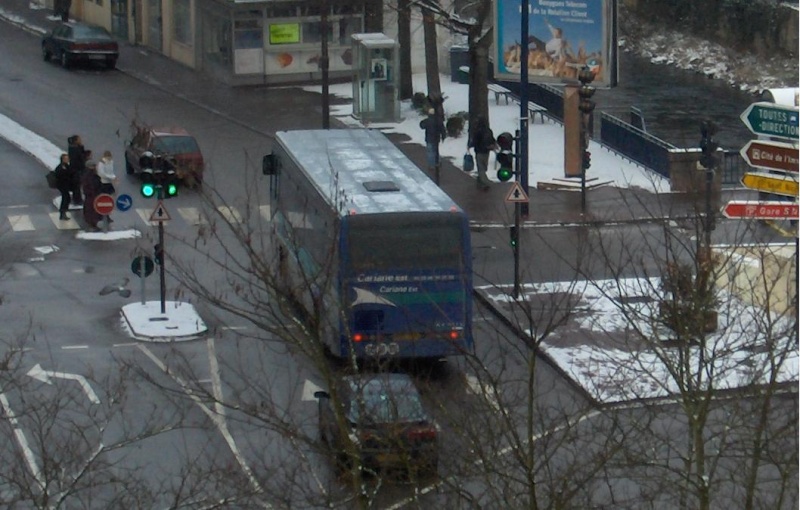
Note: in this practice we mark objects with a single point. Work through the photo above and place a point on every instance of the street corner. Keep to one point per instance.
(180, 321)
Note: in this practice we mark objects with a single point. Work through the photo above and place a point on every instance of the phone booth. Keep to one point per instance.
(375, 80)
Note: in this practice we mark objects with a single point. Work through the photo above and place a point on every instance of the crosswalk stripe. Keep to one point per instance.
(265, 212)
(69, 224)
(192, 215)
(20, 222)
(230, 214)
(145, 214)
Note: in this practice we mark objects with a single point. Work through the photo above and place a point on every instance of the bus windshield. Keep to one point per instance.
(405, 241)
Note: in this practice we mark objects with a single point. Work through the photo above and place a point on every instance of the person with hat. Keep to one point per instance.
(434, 134)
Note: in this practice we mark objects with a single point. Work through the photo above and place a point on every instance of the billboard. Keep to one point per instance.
(563, 36)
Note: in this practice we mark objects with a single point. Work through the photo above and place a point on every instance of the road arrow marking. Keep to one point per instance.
(309, 388)
(45, 376)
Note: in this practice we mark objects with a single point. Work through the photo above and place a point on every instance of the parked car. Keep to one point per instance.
(72, 42)
(384, 418)
(172, 143)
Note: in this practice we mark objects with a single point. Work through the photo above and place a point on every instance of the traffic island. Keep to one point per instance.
(179, 323)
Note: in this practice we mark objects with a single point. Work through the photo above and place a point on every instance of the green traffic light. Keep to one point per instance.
(504, 174)
(172, 190)
(148, 190)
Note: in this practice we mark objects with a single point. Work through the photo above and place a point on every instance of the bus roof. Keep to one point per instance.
(373, 175)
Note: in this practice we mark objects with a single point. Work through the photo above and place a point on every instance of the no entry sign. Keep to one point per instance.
(104, 204)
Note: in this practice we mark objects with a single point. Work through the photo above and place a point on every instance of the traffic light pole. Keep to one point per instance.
(517, 221)
(522, 152)
(161, 271)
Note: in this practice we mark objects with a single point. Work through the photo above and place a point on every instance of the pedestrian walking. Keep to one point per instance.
(91, 188)
(434, 134)
(78, 156)
(64, 180)
(482, 141)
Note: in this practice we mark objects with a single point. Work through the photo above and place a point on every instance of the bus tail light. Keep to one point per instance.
(454, 334)
(358, 337)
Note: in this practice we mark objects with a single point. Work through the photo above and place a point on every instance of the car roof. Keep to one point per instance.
(169, 130)
(371, 384)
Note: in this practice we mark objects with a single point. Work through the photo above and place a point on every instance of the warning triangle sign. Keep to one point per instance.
(160, 213)
(516, 194)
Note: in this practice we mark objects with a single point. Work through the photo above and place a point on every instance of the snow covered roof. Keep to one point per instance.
(363, 172)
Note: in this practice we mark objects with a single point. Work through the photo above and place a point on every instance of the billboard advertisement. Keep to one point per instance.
(563, 37)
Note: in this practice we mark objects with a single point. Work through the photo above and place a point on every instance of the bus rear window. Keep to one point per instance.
(405, 242)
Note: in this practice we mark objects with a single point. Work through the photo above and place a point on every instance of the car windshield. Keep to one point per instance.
(386, 403)
(175, 144)
(84, 32)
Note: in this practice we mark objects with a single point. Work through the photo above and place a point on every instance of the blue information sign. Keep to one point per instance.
(124, 202)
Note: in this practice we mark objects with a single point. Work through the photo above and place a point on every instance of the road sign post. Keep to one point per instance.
(764, 210)
(142, 266)
(770, 119)
(103, 205)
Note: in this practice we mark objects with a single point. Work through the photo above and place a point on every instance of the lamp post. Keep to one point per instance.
(586, 106)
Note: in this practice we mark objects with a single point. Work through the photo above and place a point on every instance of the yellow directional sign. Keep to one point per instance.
(771, 183)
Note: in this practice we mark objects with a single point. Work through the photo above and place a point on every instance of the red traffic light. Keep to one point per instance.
(505, 141)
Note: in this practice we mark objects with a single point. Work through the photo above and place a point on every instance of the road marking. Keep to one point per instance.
(192, 215)
(144, 214)
(69, 224)
(23, 441)
(231, 214)
(217, 419)
(484, 391)
(68, 347)
(309, 388)
(128, 344)
(46, 375)
(266, 212)
(20, 222)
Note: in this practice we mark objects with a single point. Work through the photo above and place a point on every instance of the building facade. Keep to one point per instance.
(251, 42)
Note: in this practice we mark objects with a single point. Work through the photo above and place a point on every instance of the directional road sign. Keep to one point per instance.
(124, 202)
(104, 204)
(771, 119)
(771, 183)
(761, 210)
(516, 194)
(772, 155)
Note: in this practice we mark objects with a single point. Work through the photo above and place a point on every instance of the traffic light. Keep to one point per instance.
(587, 160)
(158, 254)
(514, 236)
(171, 185)
(708, 146)
(505, 157)
(148, 189)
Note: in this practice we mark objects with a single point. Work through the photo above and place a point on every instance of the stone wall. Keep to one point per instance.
(764, 27)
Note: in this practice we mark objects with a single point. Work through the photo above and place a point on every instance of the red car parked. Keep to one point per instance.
(73, 42)
(172, 143)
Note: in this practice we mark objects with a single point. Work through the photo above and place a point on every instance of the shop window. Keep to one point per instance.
(248, 34)
(312, 32)
(183, 21)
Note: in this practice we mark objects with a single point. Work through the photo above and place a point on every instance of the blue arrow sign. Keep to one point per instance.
(772, 119)
(124, 202)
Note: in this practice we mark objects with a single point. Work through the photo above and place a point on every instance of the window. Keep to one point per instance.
(183, 21)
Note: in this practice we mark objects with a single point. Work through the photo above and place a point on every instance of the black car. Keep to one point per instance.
(71, 42)
(383, 419)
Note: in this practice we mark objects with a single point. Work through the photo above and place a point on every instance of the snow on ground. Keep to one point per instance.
(600, 348)
(546, 146)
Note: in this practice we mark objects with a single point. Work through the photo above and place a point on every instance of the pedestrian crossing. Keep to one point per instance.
(19, 222)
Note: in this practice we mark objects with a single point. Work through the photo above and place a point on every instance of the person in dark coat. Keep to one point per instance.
(64, 179)
(434, 134)
(483, 142)
(91, 188)
(78, 155)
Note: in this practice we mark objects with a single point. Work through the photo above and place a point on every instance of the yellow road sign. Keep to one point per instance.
(771, 183)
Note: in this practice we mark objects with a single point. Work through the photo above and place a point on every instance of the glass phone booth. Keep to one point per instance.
(375, 80)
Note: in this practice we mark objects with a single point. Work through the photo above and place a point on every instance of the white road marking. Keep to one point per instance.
(68, 347)
(217, 419)
(192, 215)
(23, 441)
(144, 214)
(69, 224)
(309, 388)
(266, 212)
(38, 373)
(20, 222)
(484, 391)
(231, 214)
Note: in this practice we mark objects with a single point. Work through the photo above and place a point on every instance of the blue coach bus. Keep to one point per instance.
(369, 247)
